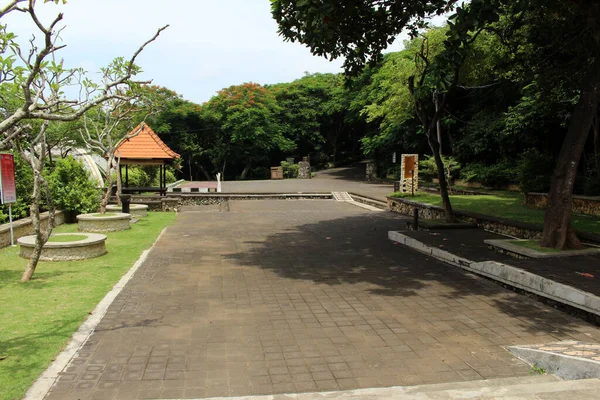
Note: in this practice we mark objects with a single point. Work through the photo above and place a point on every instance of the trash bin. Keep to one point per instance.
(396, 186)
(125, 202)
(276, 172)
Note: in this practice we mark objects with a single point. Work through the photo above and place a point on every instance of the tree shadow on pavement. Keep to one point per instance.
(355, 251)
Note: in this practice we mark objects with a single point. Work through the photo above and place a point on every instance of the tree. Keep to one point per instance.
(31, 90)
(181, 125)
(568, 33)
(360, 30)
(313, 111)
(244, 121)
(103, 131)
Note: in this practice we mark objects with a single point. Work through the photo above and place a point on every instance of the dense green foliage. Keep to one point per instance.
(504, 121)
(71, 187)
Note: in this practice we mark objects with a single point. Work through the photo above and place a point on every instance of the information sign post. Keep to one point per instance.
(8, 191)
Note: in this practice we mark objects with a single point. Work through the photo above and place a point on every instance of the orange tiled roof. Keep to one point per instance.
(143, 143)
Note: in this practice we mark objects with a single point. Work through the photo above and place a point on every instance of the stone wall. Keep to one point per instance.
(24, 227)
(175, 202)
(581, 204)
(93, 223)
(304, 170)
(509, 227)
(409, 185)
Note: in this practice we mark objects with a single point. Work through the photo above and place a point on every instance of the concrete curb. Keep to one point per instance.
(509, 275)
(562, 365)
(508, 245)
(523, 388)
(44, 383)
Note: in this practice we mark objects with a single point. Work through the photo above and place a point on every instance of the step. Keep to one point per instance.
(532, 387)
(369, 200)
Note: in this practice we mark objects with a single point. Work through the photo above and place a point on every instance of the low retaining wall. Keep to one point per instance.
(174, 201)
(94, 245)
(24, 227)
(581, 204)
(104, 222)
(136, 210)
(503, 226)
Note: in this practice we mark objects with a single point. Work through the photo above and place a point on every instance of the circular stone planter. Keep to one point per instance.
(136, 210)
(109, 222)
(92, 246)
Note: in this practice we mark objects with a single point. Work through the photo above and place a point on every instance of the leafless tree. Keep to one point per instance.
(32, 83)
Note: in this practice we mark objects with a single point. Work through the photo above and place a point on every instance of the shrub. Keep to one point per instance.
(71, 187)
(290, 170)
(428, 168)
(497, 175)
(170, 176)
(396, 172)
(137, 177)
(534, 171)
(261, 173)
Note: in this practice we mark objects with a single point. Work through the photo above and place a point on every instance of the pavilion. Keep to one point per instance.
(142, 146)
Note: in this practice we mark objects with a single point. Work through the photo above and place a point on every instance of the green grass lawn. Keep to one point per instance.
(66, 238)
(38, 318)
(507, 205)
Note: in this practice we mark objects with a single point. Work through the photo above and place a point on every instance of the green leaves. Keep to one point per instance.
(72, 188)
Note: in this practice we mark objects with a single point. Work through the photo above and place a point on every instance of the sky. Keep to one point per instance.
(209, 45)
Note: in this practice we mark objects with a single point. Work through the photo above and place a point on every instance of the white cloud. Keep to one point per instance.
(209, 44)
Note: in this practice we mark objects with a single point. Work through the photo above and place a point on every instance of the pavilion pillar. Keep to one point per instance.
(160, 178)
(126, 175)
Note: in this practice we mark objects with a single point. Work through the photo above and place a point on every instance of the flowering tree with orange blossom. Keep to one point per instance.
(245, 126)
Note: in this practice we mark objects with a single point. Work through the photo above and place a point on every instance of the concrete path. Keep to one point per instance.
(346, 179)
(267, 297)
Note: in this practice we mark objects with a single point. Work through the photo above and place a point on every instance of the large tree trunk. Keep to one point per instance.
(41, 236)
(205, 173)
(109, 182)
(441, 173)
(245, 171)
(596, 127)
(558, 232)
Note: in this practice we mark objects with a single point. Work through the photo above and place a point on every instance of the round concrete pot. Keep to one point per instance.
(109, 222)
(136, 210)
(90, 247)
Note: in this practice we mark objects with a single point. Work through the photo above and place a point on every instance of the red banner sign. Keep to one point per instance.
(8, 191)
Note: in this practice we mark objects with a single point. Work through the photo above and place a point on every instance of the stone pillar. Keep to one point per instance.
(304, 169)
(409, 173)
(371, 171)
(170, 204)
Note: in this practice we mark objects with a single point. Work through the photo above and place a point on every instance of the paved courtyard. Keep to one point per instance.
(265, 297)
(343, 179)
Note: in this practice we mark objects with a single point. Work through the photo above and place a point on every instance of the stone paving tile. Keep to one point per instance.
(297, 296)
